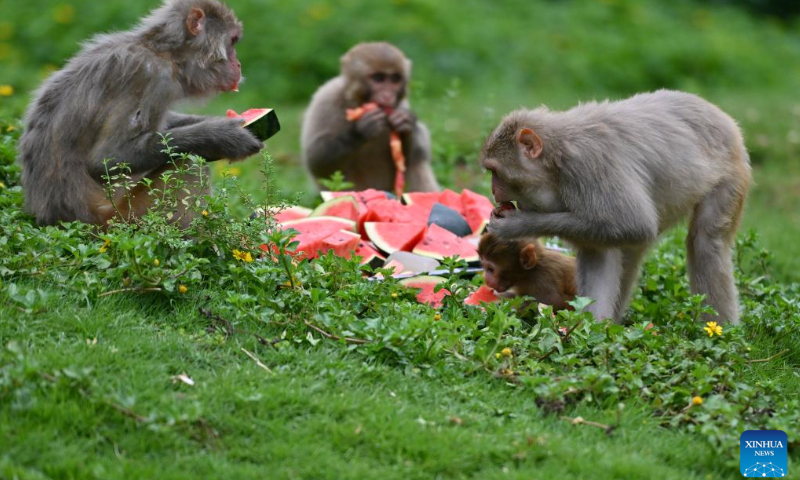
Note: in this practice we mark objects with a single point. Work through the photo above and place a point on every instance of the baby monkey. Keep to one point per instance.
(525, 267)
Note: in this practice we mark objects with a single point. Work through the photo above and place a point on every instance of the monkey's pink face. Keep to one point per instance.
(232, 73)
(493, 276)
(385, 88)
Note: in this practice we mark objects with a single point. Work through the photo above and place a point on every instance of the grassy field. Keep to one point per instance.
(94, 385)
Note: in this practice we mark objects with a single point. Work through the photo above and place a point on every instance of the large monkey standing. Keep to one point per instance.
(610, 177)
(112, 100)
(377, 73)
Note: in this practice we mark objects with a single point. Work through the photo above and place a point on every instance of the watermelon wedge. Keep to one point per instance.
(426, 285)
(364, 196)
(422, 199)
(344, 206)
(292, 213)
(481, 295)
(343, 243)
(439, 243)
(369, 255)
(263, 122)
(312, 232)
(392, 237)
(477, 210)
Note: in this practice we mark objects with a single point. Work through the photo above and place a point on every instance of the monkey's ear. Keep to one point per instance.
(195, 20)
(530, 143)
(527, 256)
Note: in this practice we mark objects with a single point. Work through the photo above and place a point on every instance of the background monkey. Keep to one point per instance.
(370, 72)
(610, 177)
(526, 267)
(111, 101)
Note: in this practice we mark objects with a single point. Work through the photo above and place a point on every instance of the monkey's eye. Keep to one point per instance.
(395, 78)
(234, 39)
(378, 77)
(489, 269)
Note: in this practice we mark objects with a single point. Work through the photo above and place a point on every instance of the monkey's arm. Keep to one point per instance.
(419, 173)
(175, 119)
(213, 139)
(629, 227)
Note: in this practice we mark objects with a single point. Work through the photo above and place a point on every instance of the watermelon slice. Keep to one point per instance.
(292, 213)
(439, 243)
(422, 199)
(482, 295)
(263, 122)
(364, 196)
(426, 285)
(394, 211)
(343, 243)
(449, 219)
(312, 231)
(369, 255)
(391, 237)
(451, 199)
(344, 206)
(477, 210)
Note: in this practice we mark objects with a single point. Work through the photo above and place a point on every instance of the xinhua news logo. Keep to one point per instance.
(763, 453)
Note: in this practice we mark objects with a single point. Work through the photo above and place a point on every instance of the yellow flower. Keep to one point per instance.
(712, 328)
(105, 246)
(243, 256)
(697, 401)
(205, 213)
(437, 317)
(6, 90)
(497, 355)
(156, 262)
(182, 288)
(10, 128)
(506, 352)
(2, 185)
(394, 295)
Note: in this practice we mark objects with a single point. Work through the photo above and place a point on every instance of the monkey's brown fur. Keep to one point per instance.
(526, 267)
(360, 150)
(111, 101)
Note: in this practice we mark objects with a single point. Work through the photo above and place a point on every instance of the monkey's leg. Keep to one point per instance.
(631, 265)
(190, 186)
(708, 245)
(599, 276)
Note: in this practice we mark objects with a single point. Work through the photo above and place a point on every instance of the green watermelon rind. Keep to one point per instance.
(264, 125)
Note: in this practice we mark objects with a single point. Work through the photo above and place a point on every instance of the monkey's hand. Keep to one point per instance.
(403, 121)
(235, 141)
(372, 124)
(511, 224)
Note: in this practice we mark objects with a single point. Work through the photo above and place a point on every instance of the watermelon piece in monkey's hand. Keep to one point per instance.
(263, 122)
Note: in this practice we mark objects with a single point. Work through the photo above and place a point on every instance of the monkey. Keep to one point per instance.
(370, 72)
(610, 177)
(525, 267)
(111, 102)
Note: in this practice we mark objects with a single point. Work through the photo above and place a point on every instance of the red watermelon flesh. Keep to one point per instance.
(292, 213)
(343, 243)
(364, 196)
(394, 211)
(426, 285)
(451, 199)
(483, 294)
(421, 199)
(313, 230)
(391, 237)
(439, 243)
(369, 255)
(344, 206)
(477, 209)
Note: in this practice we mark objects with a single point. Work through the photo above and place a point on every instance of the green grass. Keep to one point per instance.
(399, 407)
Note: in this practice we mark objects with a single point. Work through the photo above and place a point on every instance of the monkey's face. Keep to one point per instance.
(231, 71)
(386, 88)
(494, 275)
